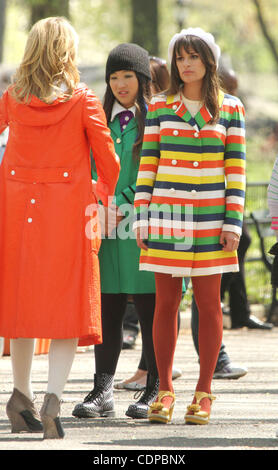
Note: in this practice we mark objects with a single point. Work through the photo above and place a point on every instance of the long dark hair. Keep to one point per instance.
(160, 74)
(210, 86)
(141, 103)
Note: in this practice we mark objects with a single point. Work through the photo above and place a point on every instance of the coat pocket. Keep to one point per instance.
(39, 175)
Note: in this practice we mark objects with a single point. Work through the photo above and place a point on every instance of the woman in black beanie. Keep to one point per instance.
(127, 93)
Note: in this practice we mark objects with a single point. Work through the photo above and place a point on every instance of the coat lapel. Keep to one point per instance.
(201, 118)
(116, 128)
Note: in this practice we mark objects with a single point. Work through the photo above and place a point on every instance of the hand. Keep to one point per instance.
(94, 187)
(109, 217)
(119, 215)
(141, 236)
(229, 240)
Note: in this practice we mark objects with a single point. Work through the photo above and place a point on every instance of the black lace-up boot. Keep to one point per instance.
(99, 402)
(148, 396)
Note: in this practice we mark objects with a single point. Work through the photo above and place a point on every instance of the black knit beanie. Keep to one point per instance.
(128, 56)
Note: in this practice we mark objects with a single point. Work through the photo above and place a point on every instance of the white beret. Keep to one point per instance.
(200, 33)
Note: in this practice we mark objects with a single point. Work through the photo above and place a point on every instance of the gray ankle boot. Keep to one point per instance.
(99, 402)
(140, 408)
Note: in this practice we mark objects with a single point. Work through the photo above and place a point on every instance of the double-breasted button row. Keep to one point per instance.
(175, 162)
(193, 191)
(175, 132)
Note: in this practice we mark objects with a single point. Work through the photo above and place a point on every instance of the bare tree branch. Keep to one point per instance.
(265, 31)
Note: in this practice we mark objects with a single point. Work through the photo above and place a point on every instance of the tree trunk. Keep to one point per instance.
(2, 27)
(145, 24)
(45, 8)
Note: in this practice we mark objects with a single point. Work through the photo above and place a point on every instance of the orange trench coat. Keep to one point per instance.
(49, 234)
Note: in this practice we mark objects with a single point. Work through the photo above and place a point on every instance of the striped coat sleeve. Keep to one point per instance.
(272, 196)
(148, 166)
(234, 165)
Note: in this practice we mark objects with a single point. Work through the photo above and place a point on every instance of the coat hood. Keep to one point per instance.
(38, 113)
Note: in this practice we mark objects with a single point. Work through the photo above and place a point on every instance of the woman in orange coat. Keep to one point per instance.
(49, 233)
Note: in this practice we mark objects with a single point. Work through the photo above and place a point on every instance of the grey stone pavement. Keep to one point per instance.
(244, 415)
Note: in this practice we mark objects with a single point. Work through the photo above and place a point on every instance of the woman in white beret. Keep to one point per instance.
(189, 207)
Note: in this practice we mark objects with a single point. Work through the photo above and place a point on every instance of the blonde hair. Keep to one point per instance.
(49, 62)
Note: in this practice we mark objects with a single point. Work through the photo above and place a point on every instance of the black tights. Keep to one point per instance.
(113, 311)
(142, 364)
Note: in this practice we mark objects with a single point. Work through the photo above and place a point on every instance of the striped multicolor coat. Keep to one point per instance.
(190, 186)
(272, 196)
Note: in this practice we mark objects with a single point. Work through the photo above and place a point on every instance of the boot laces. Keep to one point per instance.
(145, 395)
(94, 395)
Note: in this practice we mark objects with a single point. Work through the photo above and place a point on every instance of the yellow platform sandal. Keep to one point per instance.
(197, 416)
(157, 412)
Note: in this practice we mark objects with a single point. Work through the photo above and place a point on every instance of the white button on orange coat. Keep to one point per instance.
(174, 107)
(33, 201)
(196, 134)
(174, 162)
(175, 132)
(12, 172)
(66, 174)
(195, 164)
(29, 220)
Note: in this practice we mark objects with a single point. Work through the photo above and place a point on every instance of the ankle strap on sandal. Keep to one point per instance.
(200, 395)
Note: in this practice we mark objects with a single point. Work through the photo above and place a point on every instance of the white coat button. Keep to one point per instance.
(174, 107)
(174, 162)
(29, 220)
(33, 201)
(172, 190)
(175, 132)
(118, 140)
(193, 192)
(124, 126)
(196, 134)
(126, 118)
(12, 172)
(66, 174)
(195, 164)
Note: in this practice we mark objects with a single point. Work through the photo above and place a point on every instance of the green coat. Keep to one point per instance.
(119, 259)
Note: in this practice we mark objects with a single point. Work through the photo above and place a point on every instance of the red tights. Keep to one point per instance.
(168, 296)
